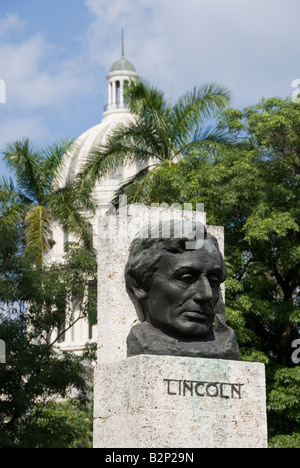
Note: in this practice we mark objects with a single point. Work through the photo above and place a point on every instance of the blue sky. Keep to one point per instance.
(55, 54)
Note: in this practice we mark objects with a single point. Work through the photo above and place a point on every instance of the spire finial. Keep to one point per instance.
(122, 42)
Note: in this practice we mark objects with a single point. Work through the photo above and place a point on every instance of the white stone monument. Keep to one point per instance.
(150, 401)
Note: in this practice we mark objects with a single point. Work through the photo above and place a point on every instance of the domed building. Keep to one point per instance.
(115, 113)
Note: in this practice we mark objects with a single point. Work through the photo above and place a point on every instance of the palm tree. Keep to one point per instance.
(34, 200)
(159, 136)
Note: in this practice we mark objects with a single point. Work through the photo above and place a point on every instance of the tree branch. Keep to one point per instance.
(66, 329)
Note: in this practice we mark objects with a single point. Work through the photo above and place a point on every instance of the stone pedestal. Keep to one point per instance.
(179, 402)
(158, 401)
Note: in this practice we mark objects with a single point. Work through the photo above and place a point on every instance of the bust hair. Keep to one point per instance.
(149, 245)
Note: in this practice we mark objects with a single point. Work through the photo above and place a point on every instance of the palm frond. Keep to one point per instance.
(9, 192)
(135, 187)
(204, 101)
(206, 139)
(67, 209)
(127, 144)
(38, 230)
(53, 160)
(141, 97)
(213, 133)
(130, 187)
(13, 215)
(25, 162)
(13, 204)
(196, 107)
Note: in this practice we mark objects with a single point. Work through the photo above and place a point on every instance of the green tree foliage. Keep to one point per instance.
(35, 301)
(252, 189)
(59, 425)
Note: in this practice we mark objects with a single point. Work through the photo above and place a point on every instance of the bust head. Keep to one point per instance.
(176, 289)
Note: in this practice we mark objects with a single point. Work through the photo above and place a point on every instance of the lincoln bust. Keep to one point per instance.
(174, 283)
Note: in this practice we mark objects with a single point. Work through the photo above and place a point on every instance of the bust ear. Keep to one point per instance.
(140, 294)
(135, 288)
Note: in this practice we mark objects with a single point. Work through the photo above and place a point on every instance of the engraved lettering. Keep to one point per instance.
(214, 393)
(169, 390)
(199, 384)
(187, 385)
(222, 395)
(236, 388)
(201, 388)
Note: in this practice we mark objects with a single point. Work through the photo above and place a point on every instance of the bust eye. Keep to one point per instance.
(187, 278)
(214, 279)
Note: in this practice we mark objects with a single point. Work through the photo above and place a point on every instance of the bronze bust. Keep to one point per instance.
(176, 291)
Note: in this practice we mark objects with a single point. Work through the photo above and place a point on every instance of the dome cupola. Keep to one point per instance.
(122, 65)
(115, 113)
(120, 74)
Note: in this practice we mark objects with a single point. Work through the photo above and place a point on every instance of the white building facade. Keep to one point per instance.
(115, 113)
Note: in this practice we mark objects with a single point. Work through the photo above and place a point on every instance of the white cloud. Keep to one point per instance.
(36, 77)
(45, 84)
(239, 43)
(251, 46)
(104, 34)
(17, 128)
(10, 23)
(20, 61)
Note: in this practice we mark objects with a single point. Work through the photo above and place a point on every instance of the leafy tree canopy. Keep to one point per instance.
(252, 189)
(35, 302)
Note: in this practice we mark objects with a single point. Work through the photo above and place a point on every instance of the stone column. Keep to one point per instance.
(121, 94)
(109, 95)
(114, 95)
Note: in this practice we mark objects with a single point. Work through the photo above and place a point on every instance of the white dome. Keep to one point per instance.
(90, 140)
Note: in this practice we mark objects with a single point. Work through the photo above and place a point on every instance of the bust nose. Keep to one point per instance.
(203, 292)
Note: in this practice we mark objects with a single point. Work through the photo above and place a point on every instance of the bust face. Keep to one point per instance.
(184, 292)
